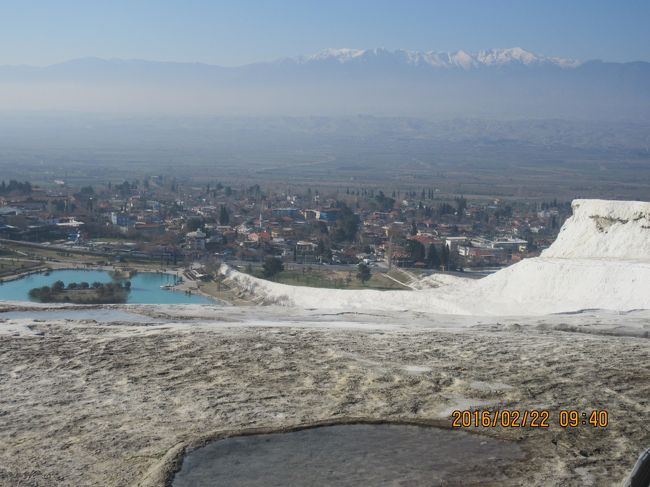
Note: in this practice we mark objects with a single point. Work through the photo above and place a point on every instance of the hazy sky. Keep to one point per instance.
(244, 31)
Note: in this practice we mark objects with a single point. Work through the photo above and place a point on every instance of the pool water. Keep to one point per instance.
(351, 455)
(145, 286)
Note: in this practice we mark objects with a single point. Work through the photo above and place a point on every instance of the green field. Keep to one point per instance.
(332, 279)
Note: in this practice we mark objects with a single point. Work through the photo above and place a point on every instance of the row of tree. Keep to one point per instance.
(15, 187)
(103, 292)
(434, 260)
(426, 193)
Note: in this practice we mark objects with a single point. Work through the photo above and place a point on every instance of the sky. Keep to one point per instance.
(246, 31)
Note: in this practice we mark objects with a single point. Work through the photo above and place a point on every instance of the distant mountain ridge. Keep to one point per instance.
(496, 57)
(457, 59)
(495, 83)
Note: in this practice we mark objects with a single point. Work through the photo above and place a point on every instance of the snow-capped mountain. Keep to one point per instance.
(458, 59)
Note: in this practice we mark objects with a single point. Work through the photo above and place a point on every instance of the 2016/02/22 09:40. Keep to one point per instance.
(527, 418)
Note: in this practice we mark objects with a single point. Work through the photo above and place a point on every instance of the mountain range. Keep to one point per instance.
(458, 59)
(496, 83)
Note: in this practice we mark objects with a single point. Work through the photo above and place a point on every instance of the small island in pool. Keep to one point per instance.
(82, 293)
(146, 287)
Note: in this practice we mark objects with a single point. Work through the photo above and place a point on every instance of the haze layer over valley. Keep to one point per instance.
(488, 158)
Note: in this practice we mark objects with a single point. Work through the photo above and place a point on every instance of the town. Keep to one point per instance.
(304, 236)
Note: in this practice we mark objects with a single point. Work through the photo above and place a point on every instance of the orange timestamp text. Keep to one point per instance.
(527, 418)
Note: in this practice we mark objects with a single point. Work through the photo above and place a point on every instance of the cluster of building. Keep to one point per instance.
(165, 221)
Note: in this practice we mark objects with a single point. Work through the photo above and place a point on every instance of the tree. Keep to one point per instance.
(415, 250)
(320, 248)
(224, 216)
(530, 243)
(124, 188)
(272, 266)
(193, 224)
(445, 209)
(363, 273)
(444, 258)
(503, 212)
(322, 251)
(461, 205)
(41, 293)
(433, 259)
(384, 203)
(58, 286)
(347, 224)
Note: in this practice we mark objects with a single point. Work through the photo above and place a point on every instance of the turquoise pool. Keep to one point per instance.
(145, 286)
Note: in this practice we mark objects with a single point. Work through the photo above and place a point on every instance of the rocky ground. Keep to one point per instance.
(86, 403)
